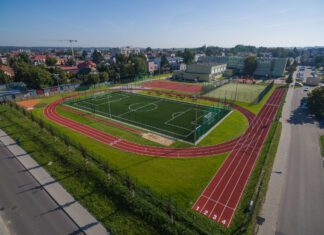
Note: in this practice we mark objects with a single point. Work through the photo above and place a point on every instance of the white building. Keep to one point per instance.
(201, 72)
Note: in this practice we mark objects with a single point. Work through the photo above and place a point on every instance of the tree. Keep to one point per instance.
(188, 56)
(97, 57)
(84, 54)
(70, 62)
(289, 79)
(103, 76)
(148, 49)
(24, 57)
(91, 78)
(164, 62)
(296, 52)
(51, 61)
(140, 65)
(213, 51)
(4, 78)
(315, 102)
(250, 65)
(33, 76)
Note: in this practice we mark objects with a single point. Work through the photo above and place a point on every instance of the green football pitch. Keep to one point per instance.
(179, 120)
(235, 91)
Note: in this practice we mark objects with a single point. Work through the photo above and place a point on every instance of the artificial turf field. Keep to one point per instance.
(238, 92)
(180, 120)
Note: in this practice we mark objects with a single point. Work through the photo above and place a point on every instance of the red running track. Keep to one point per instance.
(50, 113)
(220, 198)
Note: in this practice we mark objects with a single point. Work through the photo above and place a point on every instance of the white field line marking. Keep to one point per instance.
(134, 110)
(130, 124)
(116, 117)
(277, 99)
(176, 116)
(230, 164)
(224, 188)
(111, 99)
(218, 203)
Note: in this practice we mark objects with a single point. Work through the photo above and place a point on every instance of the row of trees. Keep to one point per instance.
(275, 51)
(124, 68)
(315, 102)
(35, 77)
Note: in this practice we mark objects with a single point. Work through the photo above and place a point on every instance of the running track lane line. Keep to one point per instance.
(210, 202)
(50, 112)
(209, 188)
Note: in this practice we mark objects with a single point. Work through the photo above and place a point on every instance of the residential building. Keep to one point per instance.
(152, 66)
(4, 60)
(87, 64)
(129, 50)
(271, 67)
(197, 56)
(70, 69)
(7, 70)
(266, 67)
(39, 59)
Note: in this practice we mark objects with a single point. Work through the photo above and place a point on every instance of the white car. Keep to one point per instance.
(306, 89)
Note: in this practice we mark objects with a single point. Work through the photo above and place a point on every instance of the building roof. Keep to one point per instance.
(69, 68)
(39, 57)
(7, 70)
(87, 64)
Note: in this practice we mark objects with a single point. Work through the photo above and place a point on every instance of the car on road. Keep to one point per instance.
(298, 84)
(306, 89)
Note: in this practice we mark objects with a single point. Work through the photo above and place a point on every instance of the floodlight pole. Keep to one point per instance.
(236, 90)
(58, 84)
(196, 122)
(109, 105)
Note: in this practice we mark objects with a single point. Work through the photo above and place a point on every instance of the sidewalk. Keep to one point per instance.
(3, 228)
(270, 209)
(77, 213)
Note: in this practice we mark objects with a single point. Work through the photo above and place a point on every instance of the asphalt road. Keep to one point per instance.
(302, 202)
(24, 207)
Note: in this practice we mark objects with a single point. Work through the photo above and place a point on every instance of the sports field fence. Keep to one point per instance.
(238, 92)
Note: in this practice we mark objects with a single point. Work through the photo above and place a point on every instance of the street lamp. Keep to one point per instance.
(57, 77)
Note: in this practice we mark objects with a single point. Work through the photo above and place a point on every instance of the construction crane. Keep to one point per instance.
(71, 41)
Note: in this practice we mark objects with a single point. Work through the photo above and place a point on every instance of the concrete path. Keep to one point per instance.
(3, 228)
(295, 199)
(78, 214)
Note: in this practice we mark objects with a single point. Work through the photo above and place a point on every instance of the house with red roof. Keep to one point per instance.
(70, 69)
(87, 64)
(39, 59)
(7, 70)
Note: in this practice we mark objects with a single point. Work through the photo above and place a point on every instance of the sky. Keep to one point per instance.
(162, 24)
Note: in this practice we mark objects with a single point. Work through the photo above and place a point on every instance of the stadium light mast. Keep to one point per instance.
(71, 41)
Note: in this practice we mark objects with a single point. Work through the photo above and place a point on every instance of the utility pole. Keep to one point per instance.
(57, 77)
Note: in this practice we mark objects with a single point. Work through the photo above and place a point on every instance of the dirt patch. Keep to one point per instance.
(157, 139)
(28, 104)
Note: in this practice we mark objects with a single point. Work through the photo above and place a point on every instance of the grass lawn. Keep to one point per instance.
(233, 126)
(44, 149)
(182, 179)
(322, 144)
(255, 108)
